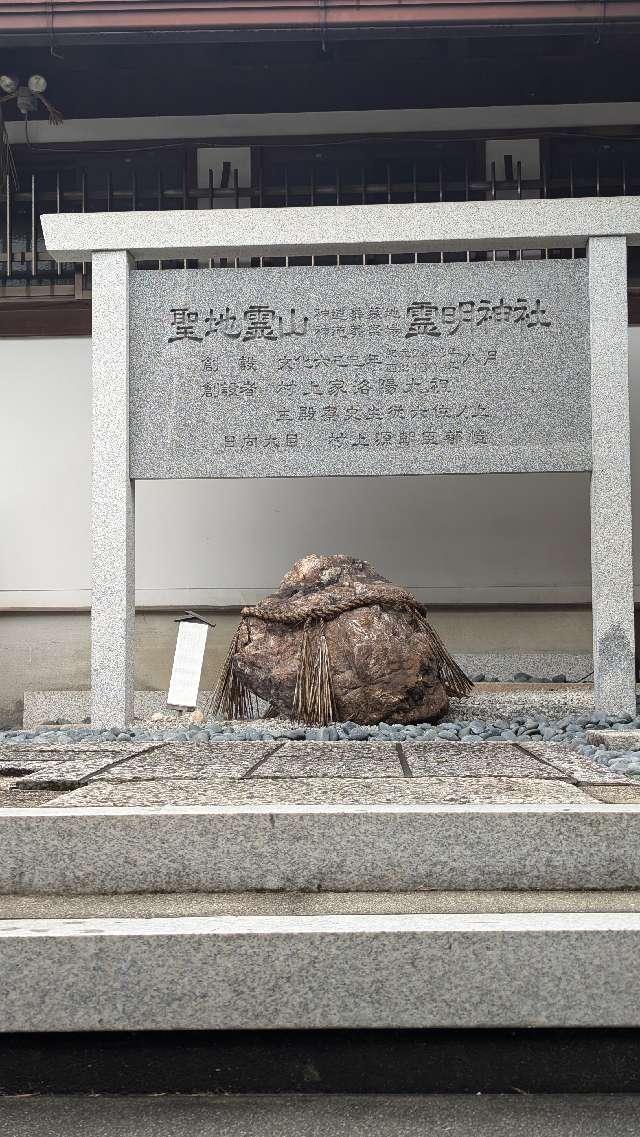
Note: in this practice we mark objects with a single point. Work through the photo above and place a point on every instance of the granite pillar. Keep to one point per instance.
(611, 532)
(113, 525)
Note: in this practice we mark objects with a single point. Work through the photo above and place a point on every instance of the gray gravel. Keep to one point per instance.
(570, 730)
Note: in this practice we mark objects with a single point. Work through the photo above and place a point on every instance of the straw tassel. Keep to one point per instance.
(452, 677)
(313, 698)
(232, 699)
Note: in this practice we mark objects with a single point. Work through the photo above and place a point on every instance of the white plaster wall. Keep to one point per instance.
(494, 539)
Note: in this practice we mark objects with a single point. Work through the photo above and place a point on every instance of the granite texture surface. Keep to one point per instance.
(333, 760)
(318, 848)
(41, 752)
(317, 791)
(74, 706)
(308, 1115)
(167, 234)
(485, 760)
(503, 665)
(378, 369)
(71, 771)
(195, 760)
(615, 739)
(112, 497)
(14, 794)
(416, 971)
(41, 906)
(611, 524)
(492, 700)
(606, 792)
(579, 769)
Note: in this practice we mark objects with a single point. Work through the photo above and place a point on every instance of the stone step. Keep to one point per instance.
(365, 971)
(283, 1115)
(39, 906)
(307, 848)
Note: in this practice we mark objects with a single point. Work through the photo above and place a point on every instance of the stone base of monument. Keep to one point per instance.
(294, 884)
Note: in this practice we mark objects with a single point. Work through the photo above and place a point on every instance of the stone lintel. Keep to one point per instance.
(303, 230)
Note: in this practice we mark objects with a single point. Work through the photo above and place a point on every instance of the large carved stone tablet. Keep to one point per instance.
(398, 369)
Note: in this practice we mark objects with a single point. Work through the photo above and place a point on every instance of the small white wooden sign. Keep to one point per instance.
(187, 664)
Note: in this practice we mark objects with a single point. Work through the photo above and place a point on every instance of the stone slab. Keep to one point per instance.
(318, 791)
(406, 228)
(577, 767)
(616, 795)
(555, 699)
(615, 739)
(69, 772)
(502, 701)
(14, 794)
(40, 906)
(40, 753)
(75, 705)
(333, 760)
(484, 760)
(267, 972)
(308, 1115)
(323, 847)
(503, 665)
(349, 371)
(189, 760)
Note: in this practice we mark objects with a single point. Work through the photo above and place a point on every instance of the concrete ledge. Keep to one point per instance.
(384, 848)
(217, 973)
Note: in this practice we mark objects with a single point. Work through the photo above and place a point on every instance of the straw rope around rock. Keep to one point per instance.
(314, 701)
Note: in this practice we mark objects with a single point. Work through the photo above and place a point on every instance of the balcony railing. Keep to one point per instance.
(345, 173)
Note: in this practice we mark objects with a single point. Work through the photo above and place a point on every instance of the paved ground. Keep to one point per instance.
(439, 1115)
(238, 773)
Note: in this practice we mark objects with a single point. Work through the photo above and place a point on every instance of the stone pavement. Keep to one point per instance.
(281, 772)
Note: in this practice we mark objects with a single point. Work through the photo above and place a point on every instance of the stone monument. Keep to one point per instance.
(500, 365)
